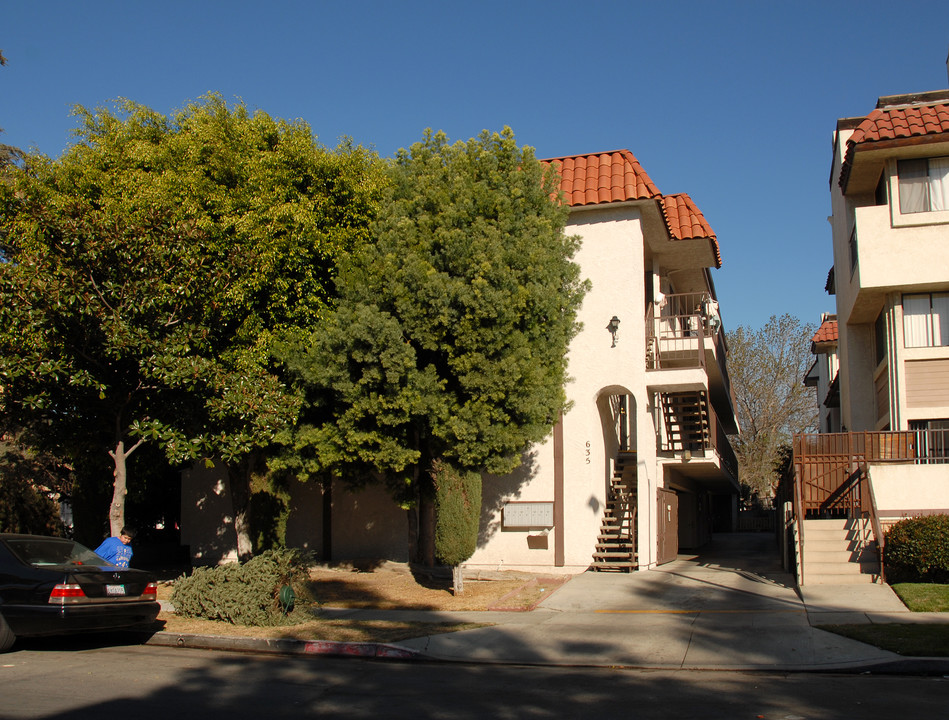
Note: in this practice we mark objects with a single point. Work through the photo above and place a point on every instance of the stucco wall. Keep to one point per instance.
(207, 515)
(612, 258)
(906, 490)
(367, 524)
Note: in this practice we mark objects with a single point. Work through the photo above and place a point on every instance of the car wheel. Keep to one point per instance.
(6, 635)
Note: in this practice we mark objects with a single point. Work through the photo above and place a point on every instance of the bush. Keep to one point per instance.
(248, 593)
(917, 550)
(458, 508)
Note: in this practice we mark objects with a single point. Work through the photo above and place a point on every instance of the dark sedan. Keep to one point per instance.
(53, 586)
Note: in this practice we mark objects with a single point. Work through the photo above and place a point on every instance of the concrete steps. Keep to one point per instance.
(839, 552)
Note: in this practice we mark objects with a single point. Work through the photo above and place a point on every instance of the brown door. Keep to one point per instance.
(668, 526)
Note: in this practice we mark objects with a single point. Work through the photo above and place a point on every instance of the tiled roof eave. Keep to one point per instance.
(616, 179)
(867, 146)
(896, 126)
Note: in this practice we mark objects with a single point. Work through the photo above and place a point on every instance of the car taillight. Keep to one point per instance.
(151, 591)
(66, 593)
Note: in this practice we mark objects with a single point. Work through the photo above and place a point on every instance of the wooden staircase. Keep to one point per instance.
(686, 419)
(616, 543)
(839, 552)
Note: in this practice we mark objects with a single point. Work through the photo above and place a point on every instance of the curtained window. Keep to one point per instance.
(924, 184)
(926, 320)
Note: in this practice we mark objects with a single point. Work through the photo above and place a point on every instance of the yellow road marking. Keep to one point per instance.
(692, 612)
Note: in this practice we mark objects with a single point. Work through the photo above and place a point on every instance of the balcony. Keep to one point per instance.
(686, 350)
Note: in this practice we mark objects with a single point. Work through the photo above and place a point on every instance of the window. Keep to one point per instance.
(879, 337)
(932, 440)
(924, 184)
(926, 320)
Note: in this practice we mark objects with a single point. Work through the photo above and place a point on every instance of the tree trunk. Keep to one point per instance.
(457, 581)
(328, 520)
(411, 516)
(427, 529)
(119, 486)
(426, 519)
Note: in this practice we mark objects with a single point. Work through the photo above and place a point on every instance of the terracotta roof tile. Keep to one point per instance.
(895, 123)
(686, 222)
(602, 178)
(827, 332)
(618, 177)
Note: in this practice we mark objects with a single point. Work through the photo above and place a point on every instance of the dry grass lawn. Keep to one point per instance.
(391, 586)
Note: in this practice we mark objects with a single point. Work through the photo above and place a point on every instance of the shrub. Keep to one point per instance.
(458, 506)
(246, 594)
(917, 550)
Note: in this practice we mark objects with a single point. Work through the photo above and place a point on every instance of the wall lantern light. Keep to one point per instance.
(613, 327)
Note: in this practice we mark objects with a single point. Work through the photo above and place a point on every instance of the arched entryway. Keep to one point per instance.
(617, 538)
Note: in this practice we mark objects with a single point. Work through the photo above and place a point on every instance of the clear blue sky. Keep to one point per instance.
(734, 103)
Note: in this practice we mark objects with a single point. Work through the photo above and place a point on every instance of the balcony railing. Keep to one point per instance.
(675, 335)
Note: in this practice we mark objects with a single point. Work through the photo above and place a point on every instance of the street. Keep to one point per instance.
(101, 678)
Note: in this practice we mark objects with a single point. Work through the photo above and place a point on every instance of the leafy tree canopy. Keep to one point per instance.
(149, 271)
(767, 368)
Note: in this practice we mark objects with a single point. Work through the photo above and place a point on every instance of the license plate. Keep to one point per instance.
(115, 589)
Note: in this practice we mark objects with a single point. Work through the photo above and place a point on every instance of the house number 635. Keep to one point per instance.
(587, 453)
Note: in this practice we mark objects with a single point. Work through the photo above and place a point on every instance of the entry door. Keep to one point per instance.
(668, 526)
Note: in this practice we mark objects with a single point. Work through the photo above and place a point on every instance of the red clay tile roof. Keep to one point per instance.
(891, 123)
(603, 178)
(686, 222)
(827, 332)
(617, 177)
(895, 123)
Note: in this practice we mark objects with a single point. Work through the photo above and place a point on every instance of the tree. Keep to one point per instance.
(150, 271)
(767, 368)
(28, 483)
(450, 339)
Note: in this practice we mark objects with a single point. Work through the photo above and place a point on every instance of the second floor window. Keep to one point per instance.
(926, 320)
(924, 184)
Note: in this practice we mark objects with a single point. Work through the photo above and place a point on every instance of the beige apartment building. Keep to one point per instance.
(885, 413)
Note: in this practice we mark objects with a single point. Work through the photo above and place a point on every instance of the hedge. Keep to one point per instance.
(917, 550)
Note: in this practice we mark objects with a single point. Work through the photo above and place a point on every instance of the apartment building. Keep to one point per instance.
(884, 456)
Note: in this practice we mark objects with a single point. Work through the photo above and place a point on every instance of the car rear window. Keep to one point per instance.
(44, 552)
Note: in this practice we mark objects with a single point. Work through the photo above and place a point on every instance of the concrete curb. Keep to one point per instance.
(283, 646)
(389, 651)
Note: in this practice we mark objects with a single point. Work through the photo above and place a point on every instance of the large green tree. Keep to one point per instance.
(451, 335)
(149, 272)
(767, 367)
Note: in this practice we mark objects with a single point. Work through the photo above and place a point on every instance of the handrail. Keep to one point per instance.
(874, 517)
(798, 503)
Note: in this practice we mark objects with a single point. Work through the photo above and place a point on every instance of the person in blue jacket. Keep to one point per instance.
(117, 550)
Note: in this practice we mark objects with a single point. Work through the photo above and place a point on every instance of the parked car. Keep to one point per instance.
(53, 586)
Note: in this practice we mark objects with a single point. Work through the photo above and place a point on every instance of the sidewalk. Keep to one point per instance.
(732, 608)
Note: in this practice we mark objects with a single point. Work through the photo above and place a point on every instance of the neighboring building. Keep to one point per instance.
(890, 197)
(823, 374)
(640, 465)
